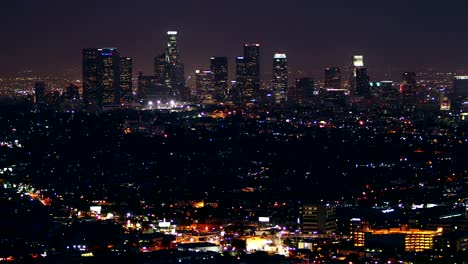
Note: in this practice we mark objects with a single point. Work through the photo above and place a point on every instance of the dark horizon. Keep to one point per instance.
(398, 35)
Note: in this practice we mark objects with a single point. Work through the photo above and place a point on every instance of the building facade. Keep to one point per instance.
(333, 78)
(318, 218)
(219, 68)
(280, 77)
(126, 82)
(101, 77)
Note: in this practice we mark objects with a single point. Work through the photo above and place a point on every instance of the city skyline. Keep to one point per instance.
(314, 36)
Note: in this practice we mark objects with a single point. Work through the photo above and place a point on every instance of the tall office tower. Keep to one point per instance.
(408, 88)
(175, 69)
(219, 68)
(40, 93)
(460, 89)
(101, 77)
(172, 53)
(126, 85)
(160, 68)
(387, 91)
(332, 78)
(205, 86)
(318, 218)
(358, 62)
(304, 90)
(280, 77)
(251, 86)
(444, 100)
(241, 76)
(362, 82)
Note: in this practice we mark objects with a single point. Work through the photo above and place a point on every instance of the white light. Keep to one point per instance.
(172, 32)
(279, 56)
(358, 61)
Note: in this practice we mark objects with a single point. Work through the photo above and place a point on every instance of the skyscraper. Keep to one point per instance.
(358, 62)
(101, 77)
(280, 77)
(204, 86)
(172, 53)
(126, 85)
(362, 82)
(175, 69)
(251, 86)
(304, 90)
(333, 78)
(219, 68)
(408, 88)
(387, 91)
(40, 93)
(241, 76)
(460, 91)
(160, 68)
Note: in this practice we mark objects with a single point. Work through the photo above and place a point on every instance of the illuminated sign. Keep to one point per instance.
(172, 32)
(264, 219)
(164, 224)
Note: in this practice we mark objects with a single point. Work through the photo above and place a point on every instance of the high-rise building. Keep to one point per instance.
(172, 53)
(304, 90)
(280, 77)
(318, 218)
(333, 78)
(444, 100)
(460, 89)
(205, 86)
(386, 90)
(358, 62)
(251, 86)
(101, 77)
(160, 68)
(408, 88)
(126, 84)
(362, 82)
(40, 93)
(175, 69)
(219, 68)
(241, 75)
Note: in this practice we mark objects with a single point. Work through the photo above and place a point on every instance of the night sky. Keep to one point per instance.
(48, 35)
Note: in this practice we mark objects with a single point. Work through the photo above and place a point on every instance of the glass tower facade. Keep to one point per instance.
(280, 77)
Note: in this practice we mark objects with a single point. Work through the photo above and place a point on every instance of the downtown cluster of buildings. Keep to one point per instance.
(109, 81)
